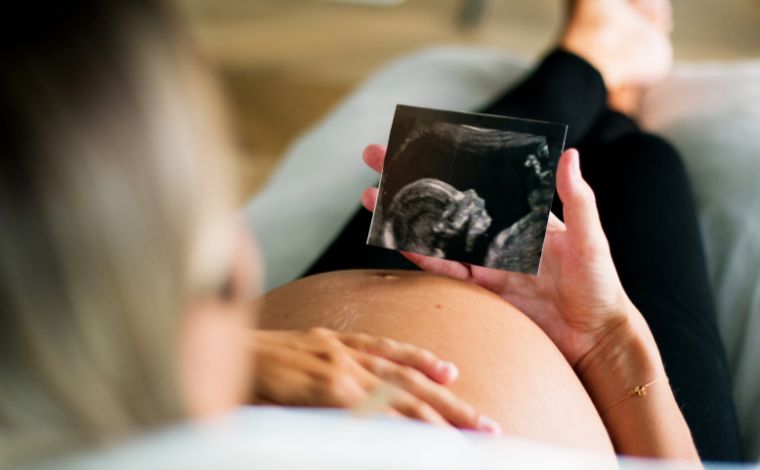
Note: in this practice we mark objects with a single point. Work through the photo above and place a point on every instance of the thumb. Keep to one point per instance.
(580, 211)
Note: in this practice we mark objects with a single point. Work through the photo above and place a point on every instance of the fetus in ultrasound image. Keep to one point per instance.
(433, 218)
(468, 187)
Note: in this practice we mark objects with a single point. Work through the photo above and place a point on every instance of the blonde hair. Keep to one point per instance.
(113, 180)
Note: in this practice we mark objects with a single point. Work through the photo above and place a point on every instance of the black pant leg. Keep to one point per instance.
(563, 88)
(648, 214)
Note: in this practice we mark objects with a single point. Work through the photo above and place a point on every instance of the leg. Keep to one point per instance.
(648, 214)
(563, 88)
(647, 211)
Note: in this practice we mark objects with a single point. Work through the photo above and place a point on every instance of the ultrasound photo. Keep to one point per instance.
(468, 187)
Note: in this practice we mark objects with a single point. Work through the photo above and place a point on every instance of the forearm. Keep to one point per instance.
(645, 423)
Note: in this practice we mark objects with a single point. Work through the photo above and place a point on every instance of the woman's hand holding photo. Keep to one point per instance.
(576, 253)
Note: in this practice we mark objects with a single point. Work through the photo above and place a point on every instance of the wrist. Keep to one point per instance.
(624, 358)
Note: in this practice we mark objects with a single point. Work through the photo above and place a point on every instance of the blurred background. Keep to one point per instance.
(286, 63)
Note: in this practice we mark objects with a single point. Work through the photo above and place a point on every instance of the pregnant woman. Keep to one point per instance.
(592, 351)
(124, 288)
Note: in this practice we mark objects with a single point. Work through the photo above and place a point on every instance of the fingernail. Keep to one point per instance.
(447, 369)
(488, 425)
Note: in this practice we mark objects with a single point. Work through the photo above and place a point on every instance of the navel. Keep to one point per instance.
(386, 276)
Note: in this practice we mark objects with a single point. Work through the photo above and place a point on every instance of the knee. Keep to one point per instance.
(648, 154)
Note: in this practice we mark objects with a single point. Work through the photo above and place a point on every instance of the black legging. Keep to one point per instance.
(647, 211)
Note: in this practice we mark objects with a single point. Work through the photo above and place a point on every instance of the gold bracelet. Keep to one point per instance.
(638, 391)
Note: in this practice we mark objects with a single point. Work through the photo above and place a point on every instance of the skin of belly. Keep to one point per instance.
(509, 368)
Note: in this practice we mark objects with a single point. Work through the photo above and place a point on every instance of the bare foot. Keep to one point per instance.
(627, 99)
(659, 12)
(626, 40)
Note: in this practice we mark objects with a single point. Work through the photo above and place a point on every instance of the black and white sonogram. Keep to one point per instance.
(468, 187)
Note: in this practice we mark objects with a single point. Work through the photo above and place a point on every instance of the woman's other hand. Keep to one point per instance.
(323, 368)
(577, 298)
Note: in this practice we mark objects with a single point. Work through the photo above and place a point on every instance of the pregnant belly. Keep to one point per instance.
(508, 367)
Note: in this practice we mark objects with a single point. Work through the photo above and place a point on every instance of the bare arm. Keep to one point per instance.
(625, 378)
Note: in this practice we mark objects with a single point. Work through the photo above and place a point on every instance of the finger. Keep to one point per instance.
(555, 224)
(382, 395)
(414, 408)
(580, 211)
(369, 198)
(374, 156)
(339, 388)
(453, 409)
(404, 354)
(440, 266)
(385, 411)
(378, 395)
(390, 411)
(263, 401)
